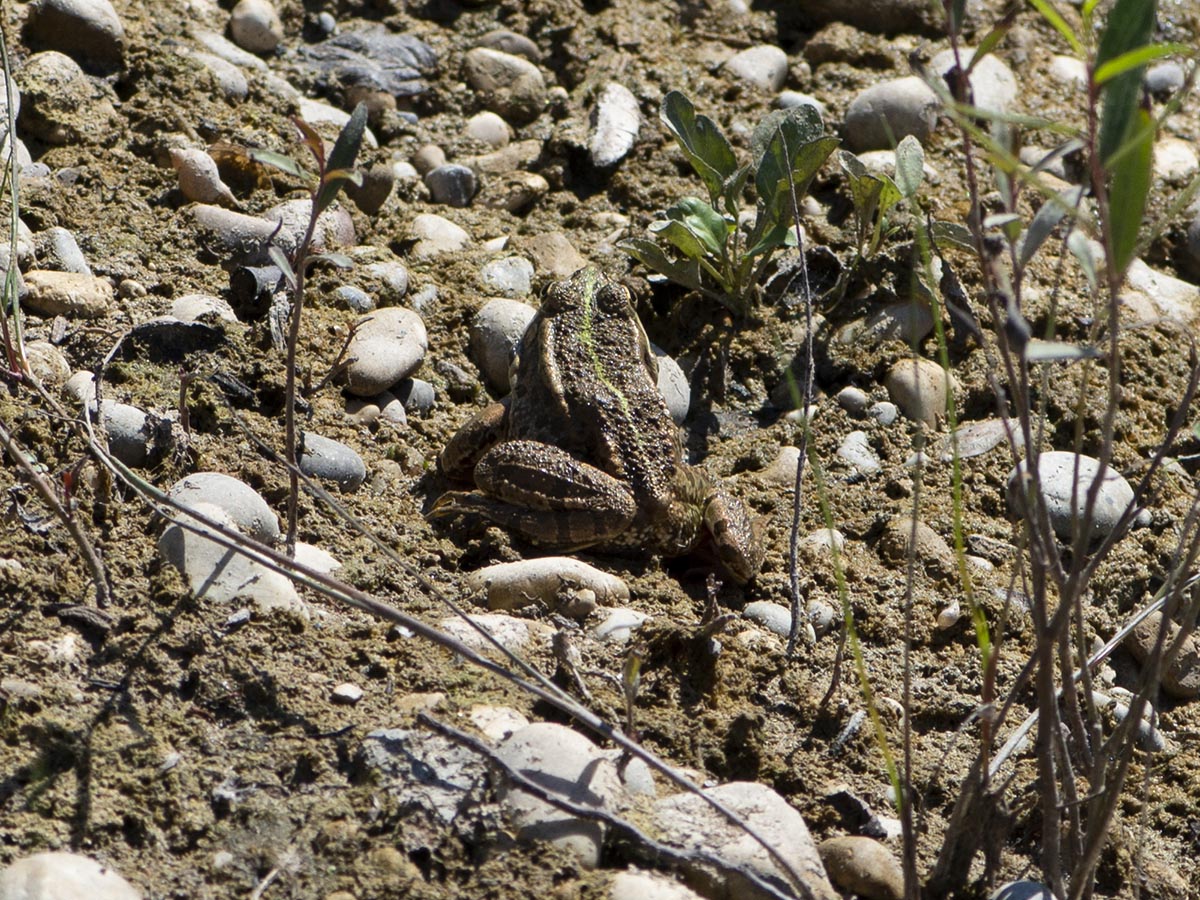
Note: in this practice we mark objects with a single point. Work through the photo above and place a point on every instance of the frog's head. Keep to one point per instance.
(589, 290)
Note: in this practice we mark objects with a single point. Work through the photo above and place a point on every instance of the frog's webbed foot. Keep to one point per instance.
(478, 435)
(736, 535)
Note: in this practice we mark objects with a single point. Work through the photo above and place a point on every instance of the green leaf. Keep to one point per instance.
(1039, 351)
(279, 161)
(701, 141)
(337, 260)
(1130, 26)
(954, 235)
(957, 14)
(1081, 249)
(806, 126)
(731, 191)
(1135, 59)
(342, 157)
(992, 39)
(1043, 224)
(679, 236)
(709, 226)
(285, 265)
(1059, 24)
(1131, 176)
(791, 158)
(910, 166)
(313, 141)
(649, 254)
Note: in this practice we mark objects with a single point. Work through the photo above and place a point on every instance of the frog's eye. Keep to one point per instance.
(613, 298)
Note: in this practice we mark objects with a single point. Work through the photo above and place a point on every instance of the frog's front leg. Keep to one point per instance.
(736, 535)
(478, 434)
(545, 495)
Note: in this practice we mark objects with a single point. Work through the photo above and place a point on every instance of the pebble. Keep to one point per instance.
(332, 460)
(948, 616)
(316, 113)
(863, 866)
(764, 67)
(334, 228)
(634, 885)
(509, 276)
(1173, 297)
(1069, 71)
(432, 235)
(416, 395)
(673, 385)
(853, 400)
(782, 470)
(199, 179)
(825, 539)
(884, 113)
(775, 617)
(553, 254)
(857, 451)
(907, 322)
(565, 762)
(223, 48)
(821, 617)
(347, 694)
(218, 574)
(993, 84)
(977, 438)
(1164, 79)
(385, 407)
(510, 42)
(130, 432)
(619, 625)
(245, 507)
(387, 345)
(512, 633)
(254, 25)
(1175, 161)
(88, 30)
(495, 333)
(927, 546)
(497, 722)
(685, 820)
(489, 128)
(47, 363)
(616, 121)
(1148, 737)
(1022, 890)
(354, 299)
(228, 77)
(81, 387)
(1061, 488)
(428, 157)
(884, 412)
(59, 105)
(920, 388)
(794, 99)
(556, 581)
(1181, 679)
(451, 185)
(240, 237)
(67, 294)
(516, 192)
(392, 278)
(63, 876)
(378, 182)
(59, 250)
(508, 85)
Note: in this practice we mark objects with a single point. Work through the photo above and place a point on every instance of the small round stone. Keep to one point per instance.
(384, 407)
(862, 866)
(884, 113)
(130, 432)
(248, 510)
(416, 395)
(648, 886)
(378, 182)
(199, 179)
(554, 580)
(488, 128)
(673, 385)
(58, 876)
(346, 694)
(884, 412)
(496, 331)
(1022, 890)
(1065, 493)
(906, 322)
(428, 157)
(618, 626)
(332, 460)
(774, 617)
(853, 400)
(354, 299)
(47, 362)
(451, 185)
(920, 387)
(764, 67)
(509, 85)
(81, 387)
(510, 42)
(432, 236)
(1069, 71)
(254, 25)
(88, 30)
(793, 99)
(1164, 79)
(392, 278)
(59, 250)
(60, 105)
(993, 84)
(857, 451)
(616, 121)
(509, 276)
(387, 346)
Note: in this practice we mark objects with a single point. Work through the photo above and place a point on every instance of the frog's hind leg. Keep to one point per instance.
(550, 497)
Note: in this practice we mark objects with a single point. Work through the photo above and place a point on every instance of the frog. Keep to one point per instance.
(583, 453)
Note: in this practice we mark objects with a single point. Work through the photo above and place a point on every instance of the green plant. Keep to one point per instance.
(331, 176)
(876, 196)
(699, 243)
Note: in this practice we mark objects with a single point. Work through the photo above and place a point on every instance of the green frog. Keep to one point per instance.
(583, 451)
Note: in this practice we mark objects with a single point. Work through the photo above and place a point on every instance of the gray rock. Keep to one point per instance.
(334, 228)
(387, 346)
(488, 128)
(451, 185)
(242, 238)
(774, 617)
(346, 694)
(67, 294)
(87, 30)
(1022, 890)
(417, 396)
(764, 67)
(993, 84)
(1175, 162)
(1181, 679)
(619, 625)
(793, 99)
(80, 387)
(853, 400)
(254, 25)
(884, 412)
(332, 460)
(512, 633)
(374, 59)
(510, 42)
(432, 235)
(685, 820)
(554, 580)
(857, 451)
(1173, 298)
(318, 113)
(864, 867)
(906, 322)
(673, 385)
(565, 762)
(920, 388)
(63, 876)
(1164, 79)
(782, 470)
(202, 308)
(423, 772)
(248, 511)
(509, 85)
(428, 157)
(616, 120)
(392, 278)
(900, 540)
(130, 432)
(553, 254)
(514, 191)
(225, 49)
(47, 362)
(1061, 490)
(59, 105)
(384, 407)
(58, 250)
(509, 276)
(354, 299)
(1069, 71)
(228, 77)
(977, 438)
(496, 331)
(884, 113)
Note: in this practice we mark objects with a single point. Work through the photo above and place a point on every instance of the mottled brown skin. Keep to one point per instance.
(583, 452)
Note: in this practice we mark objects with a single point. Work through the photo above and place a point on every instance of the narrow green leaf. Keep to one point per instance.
(957, 11)
(285, 265)
(1135, 59)
(278, 161)
(1059, 24)
(649, 254)
(910, 166)
(341, 158)
(992, 39)
(1081, 249)
(701, 141)
(1039, 351)
(337, 260)
(313, 141)
(1131, 176)
(1043, 224)
(1130, 26)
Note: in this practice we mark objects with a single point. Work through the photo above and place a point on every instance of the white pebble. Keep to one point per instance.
(63, 876)
(495, 333)
(857, 451)
(254, 25)
(920, 388)
(347, 693)
(616, 120)
(673, 385)
(764, 66)
(550, 579)
(130, 432)
(489, 128)
(387, 346)
(433, 235)
(509, 276)
(1065, 493)
(248, 510)
(884, 113)
(47, 362)
(619, 625)
(853, 400)
(1069, 71)
(199, 179)
(774, 617)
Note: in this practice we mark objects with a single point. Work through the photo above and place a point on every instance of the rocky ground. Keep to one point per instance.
(262, 742)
